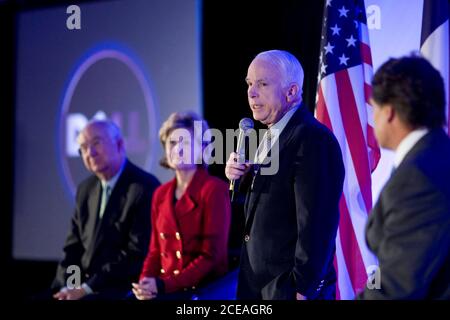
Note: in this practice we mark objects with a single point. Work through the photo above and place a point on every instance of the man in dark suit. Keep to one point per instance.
(291, 207)
(409, 227)
(110, 230)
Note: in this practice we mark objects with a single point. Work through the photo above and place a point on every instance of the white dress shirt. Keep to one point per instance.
(407, 144)
(275, 132)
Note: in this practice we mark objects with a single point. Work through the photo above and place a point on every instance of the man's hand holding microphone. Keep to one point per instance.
(236, 165)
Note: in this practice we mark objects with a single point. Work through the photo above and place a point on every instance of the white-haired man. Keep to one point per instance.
(291, 215)
(110, 229)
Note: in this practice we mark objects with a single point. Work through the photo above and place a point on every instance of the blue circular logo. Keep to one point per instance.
(108, 83)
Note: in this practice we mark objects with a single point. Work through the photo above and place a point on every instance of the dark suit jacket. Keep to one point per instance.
(292, 217)
(110, 251)
(409, 227)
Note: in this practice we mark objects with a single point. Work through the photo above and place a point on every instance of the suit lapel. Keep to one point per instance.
(188, 201)
(114, 206)
(259, 181)
(424, 142)
(167, 206)
(299, 117)
(91, 225)
(258, 184)
(412, 154)
(93, 207)
(185, 205)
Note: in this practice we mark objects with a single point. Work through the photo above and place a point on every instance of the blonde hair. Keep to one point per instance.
(184, 120)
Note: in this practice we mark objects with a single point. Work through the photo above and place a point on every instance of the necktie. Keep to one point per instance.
(105, 196)
(269, 139)
(263, 152)
(265, 146)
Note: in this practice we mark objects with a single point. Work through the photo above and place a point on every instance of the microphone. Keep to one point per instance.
(244, 125)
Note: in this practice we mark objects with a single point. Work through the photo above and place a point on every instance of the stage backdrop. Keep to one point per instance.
(132, 61)
(136, 62)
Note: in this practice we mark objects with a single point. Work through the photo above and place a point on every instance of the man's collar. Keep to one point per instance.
(112, 182)
(407, 144)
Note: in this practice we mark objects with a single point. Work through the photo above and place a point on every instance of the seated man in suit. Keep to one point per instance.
(409, 227)
(110, 230)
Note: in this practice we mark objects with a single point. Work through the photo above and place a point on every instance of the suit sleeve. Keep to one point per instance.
(73, 248)
(415, 231)
(318, 180)
(217, 217)
(152, 262)
(128, 262)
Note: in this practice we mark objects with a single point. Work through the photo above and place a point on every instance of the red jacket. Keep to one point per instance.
(189, 241)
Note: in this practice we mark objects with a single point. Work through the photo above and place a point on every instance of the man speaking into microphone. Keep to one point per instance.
(291, 214)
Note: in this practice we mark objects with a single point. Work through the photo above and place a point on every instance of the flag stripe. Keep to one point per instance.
(435, 42)
(344, 283)
(357, 83)
(365, 53)
(350, 248)
(368, 72)
(367, 91)
(353, 131)
(435, 13)
(343, 106)
(351, 188)
(364, 33)
(322, 112)
(374, 152)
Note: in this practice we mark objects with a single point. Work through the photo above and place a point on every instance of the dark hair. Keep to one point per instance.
(414, 88)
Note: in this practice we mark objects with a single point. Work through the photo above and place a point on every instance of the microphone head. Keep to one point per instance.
(246, 124)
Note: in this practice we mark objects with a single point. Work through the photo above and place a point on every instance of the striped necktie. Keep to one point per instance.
(265, 147)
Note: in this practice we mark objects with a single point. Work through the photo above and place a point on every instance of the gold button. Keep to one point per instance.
(193, 287)
(176, 272)
(246, 238)
(163, 271)
(163, 255)
(162, 235)
(177, 235)
(178, 253)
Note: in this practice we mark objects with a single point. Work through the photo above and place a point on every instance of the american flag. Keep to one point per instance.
(434, 40)
(344, 89)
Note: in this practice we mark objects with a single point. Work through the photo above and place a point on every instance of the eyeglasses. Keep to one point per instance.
(95, 143)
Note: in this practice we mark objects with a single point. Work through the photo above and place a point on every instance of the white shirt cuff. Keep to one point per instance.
(87, 289)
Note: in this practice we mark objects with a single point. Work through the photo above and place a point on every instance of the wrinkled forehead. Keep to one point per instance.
(91, 132)
(262, 69)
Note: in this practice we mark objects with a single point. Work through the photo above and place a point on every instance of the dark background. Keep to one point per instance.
(233, 32)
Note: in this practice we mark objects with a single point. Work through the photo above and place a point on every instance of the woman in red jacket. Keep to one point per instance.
(190, 216)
